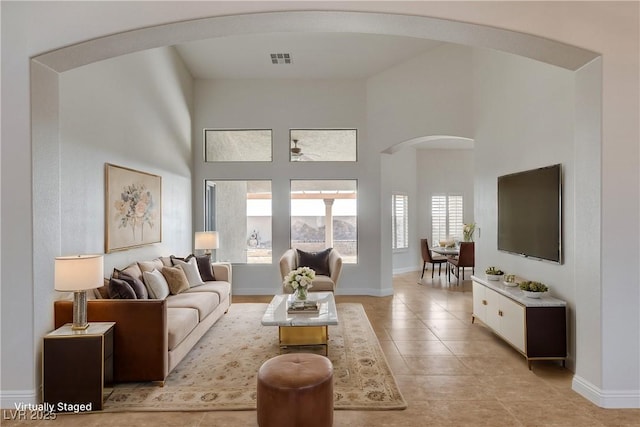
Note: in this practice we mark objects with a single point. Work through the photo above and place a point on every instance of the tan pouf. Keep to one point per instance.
(295, 390)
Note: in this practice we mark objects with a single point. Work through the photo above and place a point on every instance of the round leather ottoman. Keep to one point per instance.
(295, 390)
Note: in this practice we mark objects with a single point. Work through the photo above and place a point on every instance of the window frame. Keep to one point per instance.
(346, 257)
(212, 217)
(204, 144)
(291, 135)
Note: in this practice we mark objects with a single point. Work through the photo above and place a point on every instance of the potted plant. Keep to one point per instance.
(533, 289)
(494, 273)
(510, 280)
(468, 231)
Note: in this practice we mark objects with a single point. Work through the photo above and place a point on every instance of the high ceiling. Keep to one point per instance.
(314, 55)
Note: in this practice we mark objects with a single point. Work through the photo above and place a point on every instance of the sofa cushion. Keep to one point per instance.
(322, 284)
(132, 270)
(180, 323)
(176, 279)
(136, 284)
(103, 291)
(205, 269)
(318, 261)
(120, 289)
(154, 264)
(223, 289)
(177, 258)
(156, 284)
(204, 302)
(191, 271)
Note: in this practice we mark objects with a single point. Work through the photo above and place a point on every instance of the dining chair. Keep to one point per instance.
(428, 258)
(466, 258)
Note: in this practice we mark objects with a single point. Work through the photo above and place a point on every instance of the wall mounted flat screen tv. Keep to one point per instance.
(530, 213)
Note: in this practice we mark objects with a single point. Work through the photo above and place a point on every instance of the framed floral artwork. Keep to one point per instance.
(133, 208)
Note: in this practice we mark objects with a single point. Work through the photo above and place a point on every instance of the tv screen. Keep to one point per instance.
(530, 213)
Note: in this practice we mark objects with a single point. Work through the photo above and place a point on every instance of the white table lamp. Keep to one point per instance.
(77, 274)
(206, 240)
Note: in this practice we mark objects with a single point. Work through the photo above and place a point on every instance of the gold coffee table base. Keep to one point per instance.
(304, 335)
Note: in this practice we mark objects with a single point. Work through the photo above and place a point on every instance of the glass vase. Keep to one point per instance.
(301, 293)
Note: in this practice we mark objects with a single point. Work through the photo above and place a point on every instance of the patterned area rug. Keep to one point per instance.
(220, 372)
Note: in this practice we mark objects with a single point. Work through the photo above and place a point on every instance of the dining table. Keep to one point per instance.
(446, 251)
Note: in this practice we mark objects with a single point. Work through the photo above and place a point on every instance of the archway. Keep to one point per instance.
(45, 70)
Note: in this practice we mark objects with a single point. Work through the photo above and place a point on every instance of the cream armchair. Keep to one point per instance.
(328, 262)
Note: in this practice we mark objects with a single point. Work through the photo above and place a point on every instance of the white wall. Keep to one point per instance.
(426, 95)
(524, 115)
(401, 173)
(281, 105)
(132, 111)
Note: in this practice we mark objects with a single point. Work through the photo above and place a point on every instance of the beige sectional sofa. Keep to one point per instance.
(152, 335)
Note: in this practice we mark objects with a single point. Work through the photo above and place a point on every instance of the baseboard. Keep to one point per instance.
(616, 399)
(404, 270)
(10, 398)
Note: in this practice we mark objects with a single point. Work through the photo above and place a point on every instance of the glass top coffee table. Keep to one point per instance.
(302, 329)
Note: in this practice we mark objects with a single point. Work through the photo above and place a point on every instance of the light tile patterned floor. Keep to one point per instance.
(451, 372)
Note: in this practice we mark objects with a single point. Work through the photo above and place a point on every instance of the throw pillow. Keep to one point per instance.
(177, 258)
(318, 261)
(103, 291)
(176, 279)
(191, 271)
(156, 284)
(132, 270)
(119, 289)
(204, 267)
(136, 284)
(155, 264)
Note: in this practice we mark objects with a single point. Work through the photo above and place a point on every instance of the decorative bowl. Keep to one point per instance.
(510, 284)
(495, 277)
(535, 295)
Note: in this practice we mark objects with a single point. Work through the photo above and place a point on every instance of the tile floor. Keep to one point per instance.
(451, 372)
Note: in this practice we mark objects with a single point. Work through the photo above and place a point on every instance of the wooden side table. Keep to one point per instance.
(78, 367)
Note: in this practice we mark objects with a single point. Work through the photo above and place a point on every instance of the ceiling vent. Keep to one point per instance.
(280, 58)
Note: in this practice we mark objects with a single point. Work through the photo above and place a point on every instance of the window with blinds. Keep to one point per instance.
(446, 217)
(400, 221)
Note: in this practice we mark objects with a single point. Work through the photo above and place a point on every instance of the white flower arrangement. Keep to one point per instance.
(300, 278)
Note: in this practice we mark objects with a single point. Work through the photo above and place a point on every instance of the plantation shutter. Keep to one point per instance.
(446, 217)
(455, 216)
(400, 221)
(438, 218)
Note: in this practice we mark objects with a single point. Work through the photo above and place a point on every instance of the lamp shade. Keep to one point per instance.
(77, 273)
(206, 240)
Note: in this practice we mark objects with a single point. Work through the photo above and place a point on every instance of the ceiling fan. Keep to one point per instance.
(297, 155)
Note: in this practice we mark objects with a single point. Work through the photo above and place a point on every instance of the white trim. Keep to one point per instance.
(404, 270)
(10, 398)
(614, 399)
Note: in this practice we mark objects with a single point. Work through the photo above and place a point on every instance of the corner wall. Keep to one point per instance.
(111, 111)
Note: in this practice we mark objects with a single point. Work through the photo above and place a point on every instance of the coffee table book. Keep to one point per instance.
(303, 307)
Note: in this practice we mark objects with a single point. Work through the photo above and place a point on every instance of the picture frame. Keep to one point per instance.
(133, 208)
